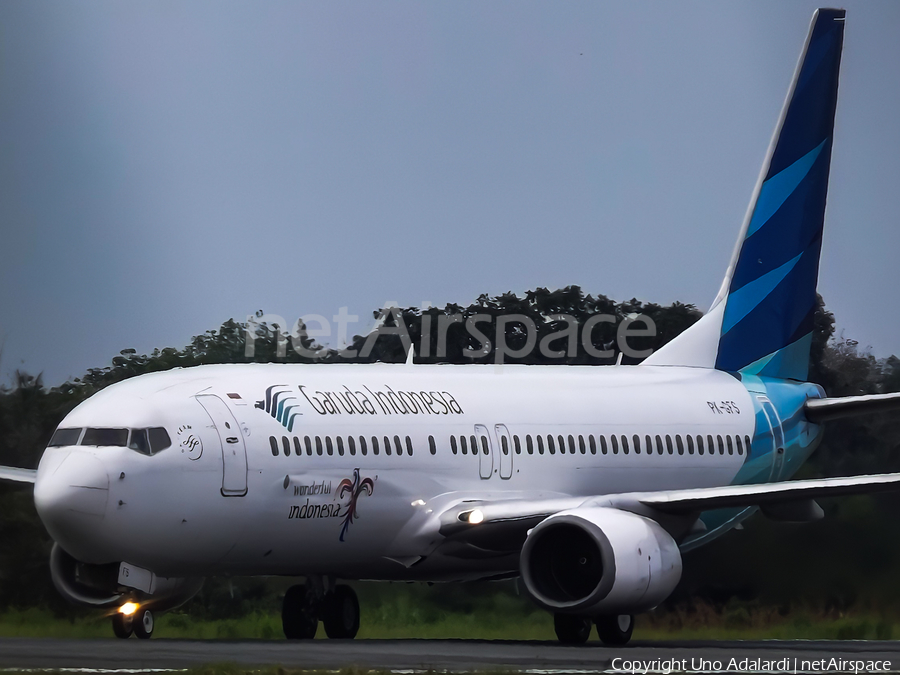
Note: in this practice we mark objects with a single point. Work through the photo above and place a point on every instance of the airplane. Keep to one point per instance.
(585, 482)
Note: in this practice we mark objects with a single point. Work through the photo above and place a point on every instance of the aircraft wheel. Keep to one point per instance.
(341, 613)
(615, 630)
(143, 624)
(122, 625)
(572, 629)
(299, 618)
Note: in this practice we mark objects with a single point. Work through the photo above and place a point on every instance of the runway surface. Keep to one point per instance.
(451, 655)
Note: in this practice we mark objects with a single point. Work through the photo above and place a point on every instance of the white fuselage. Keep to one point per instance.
(231, 495)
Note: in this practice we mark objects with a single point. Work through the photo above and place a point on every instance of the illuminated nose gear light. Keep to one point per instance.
(128, 608)
(475, 517)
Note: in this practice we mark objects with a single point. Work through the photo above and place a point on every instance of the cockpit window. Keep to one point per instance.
(139, 441)
(105, 437)
(65, 437)
(159, 439)
(149, 441)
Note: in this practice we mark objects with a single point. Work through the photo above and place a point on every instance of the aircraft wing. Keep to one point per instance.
(493, 524)
(17, 475)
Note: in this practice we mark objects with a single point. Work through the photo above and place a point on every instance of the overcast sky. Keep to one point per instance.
(165, 166)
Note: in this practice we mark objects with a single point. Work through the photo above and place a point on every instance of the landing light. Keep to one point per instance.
(418, 502)
(128, 608)
(476, 516)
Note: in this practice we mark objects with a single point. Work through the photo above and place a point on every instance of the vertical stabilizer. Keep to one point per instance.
(762, 320)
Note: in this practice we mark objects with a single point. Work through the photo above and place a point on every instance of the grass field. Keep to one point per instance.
(735, 624)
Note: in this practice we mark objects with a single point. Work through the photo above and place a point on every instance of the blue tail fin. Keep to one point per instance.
(762, 320)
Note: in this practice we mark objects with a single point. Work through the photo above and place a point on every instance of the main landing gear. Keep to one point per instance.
(304, 605)
(613, 630)
(133, 619)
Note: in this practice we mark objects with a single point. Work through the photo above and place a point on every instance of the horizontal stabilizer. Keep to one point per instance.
(824, 409)
(17, 475)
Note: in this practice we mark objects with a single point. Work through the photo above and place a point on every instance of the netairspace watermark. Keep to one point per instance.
(750, 665)
(309, 328)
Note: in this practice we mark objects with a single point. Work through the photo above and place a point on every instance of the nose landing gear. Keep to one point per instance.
(123, 625)
(143, 624)
(138, 621)
(305, 604)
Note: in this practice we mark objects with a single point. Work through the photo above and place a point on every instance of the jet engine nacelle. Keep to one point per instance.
(599, 560)
(98, 585)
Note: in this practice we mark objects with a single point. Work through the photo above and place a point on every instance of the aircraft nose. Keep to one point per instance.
(70, 494)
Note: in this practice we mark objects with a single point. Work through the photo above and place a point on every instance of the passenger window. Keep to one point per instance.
(273, 443)
(308, 445)
(637, 444)
(463, 447)
(473, 444)
(297, 449)
(139, 442)
(690, 444)
(648, 445)
(747, 444)
(551, 445)
(518, 446)
(329, 447)
(409, 448)
(603, 447)
(453, 444)
(540, 442)
(398, 447)
(318, 445)
(679, 443)
(431, 445)
(63, 437)
(374, 445)
(730, 446)
(351, 445)
(740, 446)
(721, 445)
(107, 437)
(581, 447)
(625, 444)
(593, 443)
(659, 445)
(669, 447)
(571, 444)
(159, 439)
(504, 445)
(340, 445)
(286, 445)
(387, 445)
(484, 445)
(529, 444)
(710, 445)
(699, 445)
(362, 446)
(615, 444)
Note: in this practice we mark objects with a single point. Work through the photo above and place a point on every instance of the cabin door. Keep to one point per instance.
(231, 440)
(485, 451)
(506, 451)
